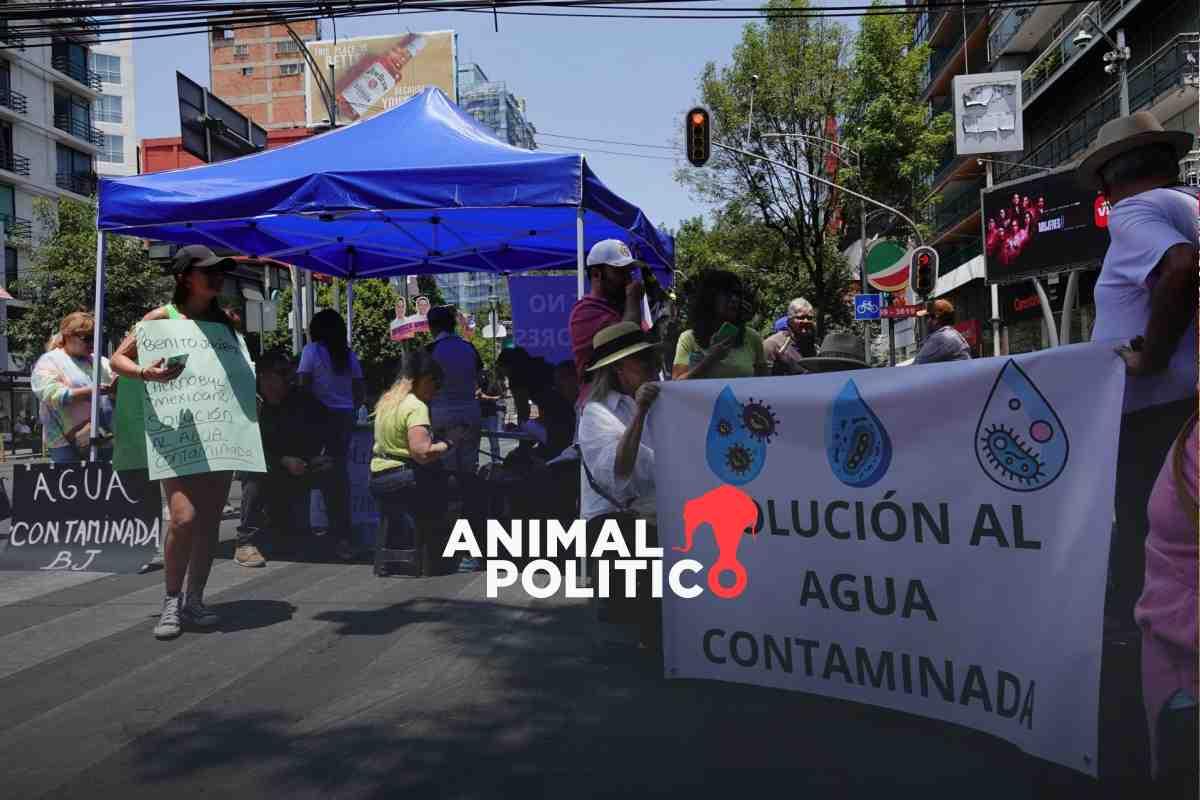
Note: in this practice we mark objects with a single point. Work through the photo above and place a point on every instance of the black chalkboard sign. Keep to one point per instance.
(82, 517)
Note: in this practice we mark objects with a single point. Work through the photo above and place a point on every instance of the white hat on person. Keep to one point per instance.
(611, 252)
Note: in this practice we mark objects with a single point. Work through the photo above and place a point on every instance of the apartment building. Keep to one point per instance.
(1067, 97)
(115, 113)
(48, 149)
(259, 70)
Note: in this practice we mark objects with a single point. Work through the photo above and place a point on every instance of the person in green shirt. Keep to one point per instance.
(700, 352)
(405, 482)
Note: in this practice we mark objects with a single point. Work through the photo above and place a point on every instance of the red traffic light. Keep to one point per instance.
(924, 266)
(697, 135)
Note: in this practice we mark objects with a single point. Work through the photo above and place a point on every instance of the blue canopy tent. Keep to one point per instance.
(420, 189)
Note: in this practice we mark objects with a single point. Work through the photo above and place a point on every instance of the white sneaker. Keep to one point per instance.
(169, 626)
(194, 612)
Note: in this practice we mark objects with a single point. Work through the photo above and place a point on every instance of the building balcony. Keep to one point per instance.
(16, 229)
(945, 59)
(929, 25)
(13, 101)
(79, 129)
(952, 254)
(1062, 53)
(953, 211)
(81, 183)
(11, 36)
(14, 163)
(80, 73)
(1018, 30)
(1159, 80)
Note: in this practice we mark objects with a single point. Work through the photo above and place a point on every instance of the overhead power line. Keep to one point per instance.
(609, 141)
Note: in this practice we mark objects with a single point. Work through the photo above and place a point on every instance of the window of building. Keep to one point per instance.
(291, 69)
(113, 149)
(72, 114)
(10, 267)
(241, 51)
(8, 201)
(222, 34)
(110, 108)
(247, 71)
(75, 170)
(70, 58)
(108, 67)
(5, 77)
(287, 47)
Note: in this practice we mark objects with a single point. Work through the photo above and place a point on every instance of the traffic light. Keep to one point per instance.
(697, 130)
(924, 267)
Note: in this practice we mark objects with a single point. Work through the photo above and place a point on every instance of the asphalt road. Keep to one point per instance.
(326, 681)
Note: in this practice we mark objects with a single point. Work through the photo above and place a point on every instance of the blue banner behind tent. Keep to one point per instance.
(541, 307)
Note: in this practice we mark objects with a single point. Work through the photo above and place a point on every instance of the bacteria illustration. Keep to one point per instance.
(738, 434)
(1020, 442)
(857, 445)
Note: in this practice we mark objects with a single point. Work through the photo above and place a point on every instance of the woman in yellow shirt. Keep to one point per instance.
(700, 353)
(409, 494)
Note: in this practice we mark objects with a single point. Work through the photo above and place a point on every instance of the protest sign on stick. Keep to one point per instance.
(932, 539)
(82, 517)
(206, 420)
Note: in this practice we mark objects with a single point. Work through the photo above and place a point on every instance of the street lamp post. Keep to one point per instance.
(1116, 59)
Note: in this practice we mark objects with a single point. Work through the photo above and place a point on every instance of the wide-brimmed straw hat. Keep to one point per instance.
(1123, 134)
(617, 341)
(839, 351)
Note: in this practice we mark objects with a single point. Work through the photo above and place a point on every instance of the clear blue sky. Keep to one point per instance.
(626, 80)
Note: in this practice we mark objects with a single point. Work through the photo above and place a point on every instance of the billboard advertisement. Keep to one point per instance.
(1042, 225)
(375, 73)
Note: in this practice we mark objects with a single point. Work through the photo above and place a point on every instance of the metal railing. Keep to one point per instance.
(1061, 53)
(954, 254)
(1164, 70)
(13, 100)
(80, 73)
(14, 163)
(1005, 27)
(927, 24)
(79, 129)
(11, 36)
(83, 183)
(939, 57)
(16, 229)
(952, 212)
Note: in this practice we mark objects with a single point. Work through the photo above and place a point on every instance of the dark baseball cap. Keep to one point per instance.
(199, 257)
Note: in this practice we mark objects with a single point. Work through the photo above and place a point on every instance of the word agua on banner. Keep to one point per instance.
(206, 420)
(944, 565)
(81, 517)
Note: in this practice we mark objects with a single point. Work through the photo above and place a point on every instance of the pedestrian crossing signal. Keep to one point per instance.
(924, 269)
(697, 131)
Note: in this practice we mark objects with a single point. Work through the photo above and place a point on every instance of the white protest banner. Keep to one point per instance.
(206, 420)
(930, 539)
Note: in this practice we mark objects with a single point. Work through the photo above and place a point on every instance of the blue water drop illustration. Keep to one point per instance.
(1020, 442)
(856, 443)
(735, 450)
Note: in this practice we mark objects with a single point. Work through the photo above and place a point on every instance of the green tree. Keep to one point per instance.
(886, 120)
(796, 70)
(63, 276)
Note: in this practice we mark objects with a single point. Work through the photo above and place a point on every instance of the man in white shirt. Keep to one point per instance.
(1145, 300)
(454, 411)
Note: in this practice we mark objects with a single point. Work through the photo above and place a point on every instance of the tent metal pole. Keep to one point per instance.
(579, 255)
(97, 341)
(297, 318)
(350, 302)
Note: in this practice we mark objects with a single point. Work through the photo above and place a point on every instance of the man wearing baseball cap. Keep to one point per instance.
(615, 296)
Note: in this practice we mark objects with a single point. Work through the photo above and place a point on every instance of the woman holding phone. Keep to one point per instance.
(718, 345)
(195, 502)
(62, 382)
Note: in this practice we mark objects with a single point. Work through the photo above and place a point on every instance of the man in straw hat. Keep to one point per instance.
(1146, 300)
(617, 458)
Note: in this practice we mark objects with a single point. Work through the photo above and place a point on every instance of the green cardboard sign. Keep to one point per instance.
(206, 420)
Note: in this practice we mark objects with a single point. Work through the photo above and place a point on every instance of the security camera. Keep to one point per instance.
(754, 78)
(1082, 39)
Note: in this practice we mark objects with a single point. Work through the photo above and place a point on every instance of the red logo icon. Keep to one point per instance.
(1100, 211)
(729, 512)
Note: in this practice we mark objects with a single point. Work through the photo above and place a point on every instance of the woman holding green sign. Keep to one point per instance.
(195, 501)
